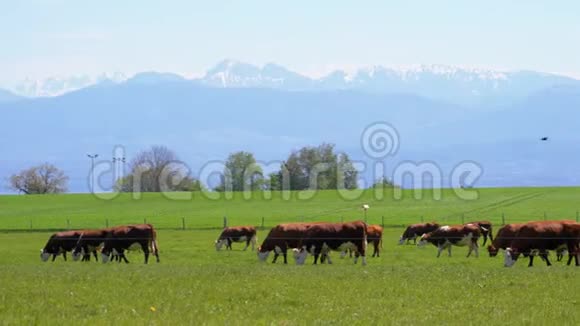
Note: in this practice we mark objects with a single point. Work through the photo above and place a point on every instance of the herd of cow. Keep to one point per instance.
(320, 238)
(112, 243)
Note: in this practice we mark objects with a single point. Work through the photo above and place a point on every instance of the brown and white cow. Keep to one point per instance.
(320, 239)
(59, 243)
(458, 235)
(281, 238)
(236, 234)
(541, 237)
(416, 230)
(506, 234)
(485, 228)
(121, 238)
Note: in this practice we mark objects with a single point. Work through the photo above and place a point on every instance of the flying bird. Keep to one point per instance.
(544, 138)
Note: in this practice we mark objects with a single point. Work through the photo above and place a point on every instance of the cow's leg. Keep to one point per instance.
(247, 244)
(544, 253)
(284, 251)
(449, 250)
(122, 256)
(439, 250)
(484, 238)
(275, 257)
(531, 263)
(145, 248)
(414, 240)
(64, 255)
(316, 254)
(53, 257)
(96, 256)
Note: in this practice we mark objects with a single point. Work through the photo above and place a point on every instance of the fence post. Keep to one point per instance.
(225, 222)
(262, 222)
(383, 221)
(502, 218)
(183, 223)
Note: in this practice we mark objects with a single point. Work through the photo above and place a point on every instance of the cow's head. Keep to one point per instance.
(106, 254)
(423, 240)
(263, 253)
(402, 240)
(492, 251)
(300, 255)
(219, 244)
(510, 258)
(44, 255)
(77, 253)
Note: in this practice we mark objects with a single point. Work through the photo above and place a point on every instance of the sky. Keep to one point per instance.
(46, 38)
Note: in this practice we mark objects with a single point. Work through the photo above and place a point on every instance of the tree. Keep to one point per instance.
(383, 183)
(155, 170)
(42, 179)
(241, 172)
(318, 168)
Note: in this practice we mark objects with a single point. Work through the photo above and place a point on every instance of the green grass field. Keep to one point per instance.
(194, 284)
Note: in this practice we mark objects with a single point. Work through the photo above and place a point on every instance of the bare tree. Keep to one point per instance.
(157, 169)
(42, 179)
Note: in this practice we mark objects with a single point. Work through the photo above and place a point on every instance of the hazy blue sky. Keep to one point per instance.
(44, 38)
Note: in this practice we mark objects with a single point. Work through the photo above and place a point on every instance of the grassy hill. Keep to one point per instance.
(199, 211)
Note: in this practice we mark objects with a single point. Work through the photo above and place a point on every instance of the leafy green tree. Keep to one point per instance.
(241, 173)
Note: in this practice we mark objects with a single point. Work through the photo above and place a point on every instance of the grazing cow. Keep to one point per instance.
(507, 234)
(320, 239)
(485, 228)
(541, 237)
(417, 230)
(121, 238)
(237, 234)
(448, 236)
(374, 236)
(281, 238)
(59, 243)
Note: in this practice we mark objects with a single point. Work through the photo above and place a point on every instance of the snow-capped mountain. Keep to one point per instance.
(467, 86)
(458, 85)
(230, 73)
(55, 86)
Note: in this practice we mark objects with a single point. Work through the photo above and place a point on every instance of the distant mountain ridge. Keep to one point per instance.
(464, 86)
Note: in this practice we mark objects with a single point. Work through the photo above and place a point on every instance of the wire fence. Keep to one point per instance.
(24, 224)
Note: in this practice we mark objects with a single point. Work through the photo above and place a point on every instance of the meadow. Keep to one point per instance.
(194, 284)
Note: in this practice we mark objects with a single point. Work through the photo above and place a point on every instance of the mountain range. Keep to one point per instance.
(205, 119)
(464, 86)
